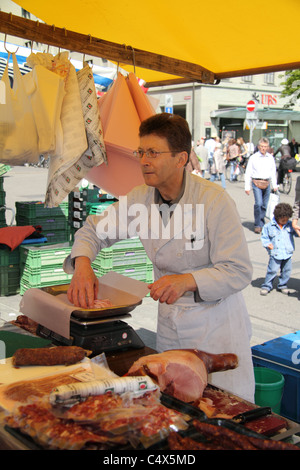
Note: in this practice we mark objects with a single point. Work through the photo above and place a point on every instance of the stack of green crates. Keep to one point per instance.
(42, 265)
(9, 271)
(54, 221)
(127, 257)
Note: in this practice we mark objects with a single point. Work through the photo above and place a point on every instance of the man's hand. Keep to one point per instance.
(170, 287)
(84, 284)
(247, 192)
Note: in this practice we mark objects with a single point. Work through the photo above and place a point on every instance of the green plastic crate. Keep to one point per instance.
(39, 256)
(93, 195)
(40, 277)
(25, 285)
(2, 198)
(47, 223)
(128, 244)
(2, 217)
(8, 257)
(139, 272)
(36, 209)
(4, 168)
(9, 280)
(57, 236)
(111, 258)
(98, 208)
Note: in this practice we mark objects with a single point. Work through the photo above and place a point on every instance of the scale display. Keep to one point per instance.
(99, 337)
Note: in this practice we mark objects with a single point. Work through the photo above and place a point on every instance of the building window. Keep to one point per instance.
(270, 78)
(247, 79)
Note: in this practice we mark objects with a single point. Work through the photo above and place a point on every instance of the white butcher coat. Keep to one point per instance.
(208, 241)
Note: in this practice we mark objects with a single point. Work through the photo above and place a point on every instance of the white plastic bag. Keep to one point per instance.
(236, 171)
(273, 201)
(18, 141)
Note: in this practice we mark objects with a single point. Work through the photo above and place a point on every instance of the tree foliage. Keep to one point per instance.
(291, 87)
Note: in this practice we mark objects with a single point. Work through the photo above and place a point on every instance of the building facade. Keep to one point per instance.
(215, 110)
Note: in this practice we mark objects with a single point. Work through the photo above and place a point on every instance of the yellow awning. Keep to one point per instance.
(228, 38)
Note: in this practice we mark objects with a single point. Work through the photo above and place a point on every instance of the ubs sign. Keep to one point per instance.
(267, 99)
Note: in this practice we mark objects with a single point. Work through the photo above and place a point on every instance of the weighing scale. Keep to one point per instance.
(97, 330)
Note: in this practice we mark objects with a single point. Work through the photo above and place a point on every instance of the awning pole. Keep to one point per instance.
(193, 112)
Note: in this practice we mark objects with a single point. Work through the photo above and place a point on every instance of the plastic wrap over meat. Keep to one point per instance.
(99, 422)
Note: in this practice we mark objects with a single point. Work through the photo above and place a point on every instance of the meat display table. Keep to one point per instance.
(119, 362)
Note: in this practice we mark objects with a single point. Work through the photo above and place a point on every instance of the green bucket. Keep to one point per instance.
(269, 386)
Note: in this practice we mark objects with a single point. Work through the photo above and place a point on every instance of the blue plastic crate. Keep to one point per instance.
(283, 355)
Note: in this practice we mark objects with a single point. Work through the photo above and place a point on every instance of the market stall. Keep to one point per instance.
(212, 410)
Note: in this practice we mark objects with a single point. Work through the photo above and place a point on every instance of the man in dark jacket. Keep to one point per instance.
(286, 154)
(294, 147)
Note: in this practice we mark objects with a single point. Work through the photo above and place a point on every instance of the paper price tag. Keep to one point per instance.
(86, 376)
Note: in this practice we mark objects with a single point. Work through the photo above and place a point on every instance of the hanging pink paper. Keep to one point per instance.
(121, 110)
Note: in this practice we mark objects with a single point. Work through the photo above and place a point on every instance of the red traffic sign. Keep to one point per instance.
(251, 105)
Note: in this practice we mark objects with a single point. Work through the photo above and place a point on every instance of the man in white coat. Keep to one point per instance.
(191, 231)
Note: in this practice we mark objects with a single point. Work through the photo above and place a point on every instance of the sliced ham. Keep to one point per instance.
(182, 373)
(102, 303)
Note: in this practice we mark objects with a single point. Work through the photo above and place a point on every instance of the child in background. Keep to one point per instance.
(278, 238)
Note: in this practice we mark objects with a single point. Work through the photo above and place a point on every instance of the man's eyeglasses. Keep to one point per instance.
(150, 153)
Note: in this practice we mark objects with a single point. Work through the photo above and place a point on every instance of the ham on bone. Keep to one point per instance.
(182, 373)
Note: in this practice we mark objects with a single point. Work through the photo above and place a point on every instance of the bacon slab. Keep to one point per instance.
(182, 373)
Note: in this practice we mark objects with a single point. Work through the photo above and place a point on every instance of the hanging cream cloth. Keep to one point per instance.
(18, 133)
(46, 91)
(79, 137)
(60, 177)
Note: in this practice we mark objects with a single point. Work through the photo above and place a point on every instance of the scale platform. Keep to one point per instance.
(97, 335)
(104, 329)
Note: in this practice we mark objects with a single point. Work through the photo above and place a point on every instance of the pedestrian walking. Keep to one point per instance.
(218, 166)
(259, 176)
(202, 154)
